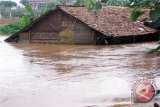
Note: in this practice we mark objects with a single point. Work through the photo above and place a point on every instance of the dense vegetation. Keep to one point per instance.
(26, 15)
(6, 8)
(10, 28)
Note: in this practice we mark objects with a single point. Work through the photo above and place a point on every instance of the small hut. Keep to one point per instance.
(78, 25)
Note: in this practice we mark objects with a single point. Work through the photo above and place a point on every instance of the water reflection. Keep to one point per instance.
(72, 75)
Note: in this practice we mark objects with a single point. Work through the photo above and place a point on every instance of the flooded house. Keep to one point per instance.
(78, 25)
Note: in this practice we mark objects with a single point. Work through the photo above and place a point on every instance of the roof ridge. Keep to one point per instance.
(85, 6)
(70, 6)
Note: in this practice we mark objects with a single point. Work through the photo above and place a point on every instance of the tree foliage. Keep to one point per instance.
(97, 4)
(24, 2)
(49, 6)
(6, 8)
(135, 14)
(91, 4)
(79, 2)
(117, 2)
(9, 4)
(29, 15)
(10, 28)
(154, 5)
(30, 11)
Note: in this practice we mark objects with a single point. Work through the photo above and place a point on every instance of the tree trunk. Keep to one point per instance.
(10, 13)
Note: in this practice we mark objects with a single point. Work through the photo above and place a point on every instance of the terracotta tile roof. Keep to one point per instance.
(110, 20)
(7, 21)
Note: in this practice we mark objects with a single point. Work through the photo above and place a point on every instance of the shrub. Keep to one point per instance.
(10, 28)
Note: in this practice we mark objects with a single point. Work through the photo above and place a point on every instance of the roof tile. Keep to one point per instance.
(109, 20)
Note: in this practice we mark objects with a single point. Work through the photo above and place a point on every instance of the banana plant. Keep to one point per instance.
(91, 4)
(30, 11)
(29, 15)
(49, 6)
(25, 21)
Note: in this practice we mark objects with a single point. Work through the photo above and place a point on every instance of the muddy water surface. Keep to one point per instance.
(43, 75)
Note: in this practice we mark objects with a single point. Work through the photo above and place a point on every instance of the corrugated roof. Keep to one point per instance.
(111, 20)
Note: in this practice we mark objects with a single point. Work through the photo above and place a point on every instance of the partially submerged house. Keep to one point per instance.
(78, 25)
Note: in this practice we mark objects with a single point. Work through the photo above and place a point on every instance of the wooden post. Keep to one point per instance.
(29, 34)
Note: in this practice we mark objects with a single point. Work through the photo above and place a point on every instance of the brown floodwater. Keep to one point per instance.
(47, 75)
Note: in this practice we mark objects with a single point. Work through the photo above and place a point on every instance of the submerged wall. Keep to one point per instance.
(135, 39)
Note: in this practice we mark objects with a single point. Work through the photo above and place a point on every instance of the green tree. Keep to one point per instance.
(7, 5)
(24, 2)
(97, 4)
(117, 2)
(91, 4)
(49, 6)
(18, 12)
(3, 11)
(29, 15)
